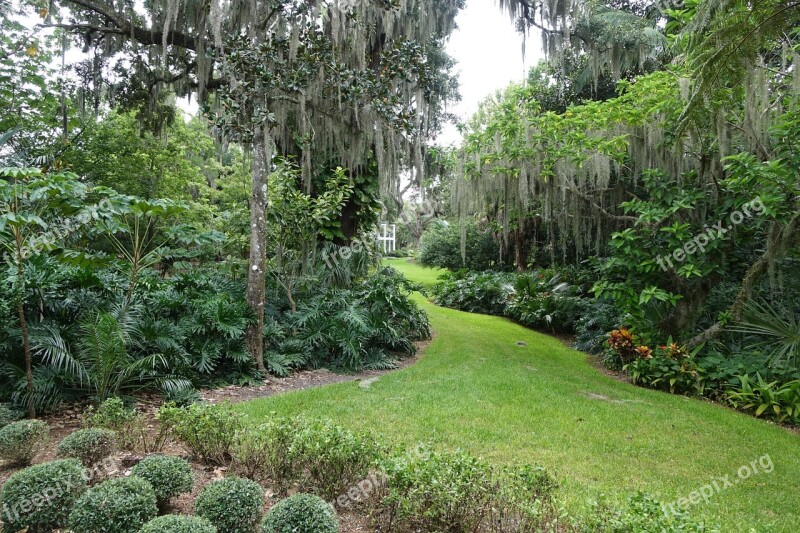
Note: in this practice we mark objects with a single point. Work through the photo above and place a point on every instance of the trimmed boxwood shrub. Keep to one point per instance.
(6, 416)
(173, 523)
(40, 497)
(121, 505)
(169, 476)
(232, 504)
(21, 441)
(89, 446)
(301, 513)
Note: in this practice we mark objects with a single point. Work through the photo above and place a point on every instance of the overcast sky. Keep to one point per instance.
(489, 55)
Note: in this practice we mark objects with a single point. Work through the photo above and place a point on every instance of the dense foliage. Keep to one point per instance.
(169, 476)
(89, 446)
(119, 505)
(39, 498)
(231, 504)
(301, 513)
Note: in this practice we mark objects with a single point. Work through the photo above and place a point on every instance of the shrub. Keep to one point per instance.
(670, 368)
(266, 453)
(40, 497)
(433, 491)
(89, 446)
(642, 514)
(7, 415)
(347, 328)
(172, 523)
(182, 397)
(333, 459)
(440, 246)
(301, 513)
(130, 427)
(232, 504)
(481, 292)
(591, 329)
(20, 441)
(779, 401)
(169, 476)
(121, 505)
(209, 431)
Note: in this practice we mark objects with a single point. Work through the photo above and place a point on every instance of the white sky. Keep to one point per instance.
(489, 54)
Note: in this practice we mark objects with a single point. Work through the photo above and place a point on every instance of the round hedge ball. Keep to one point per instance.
(121, 505)
(173, 523)
(89, 446)
(232, 504)
(169, 476)
(21, 441)
(40, 497)
(301, 513)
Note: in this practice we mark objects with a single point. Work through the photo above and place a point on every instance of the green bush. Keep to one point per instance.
(7, 415)
(669, 368)
(770, 399)
(89, 446)
(591, 329)
(113, 415)
(347, 328)
(440, 246)
(209, 431)
(121, 505)
(642, 514)
(455, 491)
(232, 504)
(267, 453)
(333, 459)
(169, 476)
(40, 497)
(475, 292)
(20, 441)
(301, 513)
(172, 523)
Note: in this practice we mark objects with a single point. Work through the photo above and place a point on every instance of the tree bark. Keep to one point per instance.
(23, 325)
(257, 273)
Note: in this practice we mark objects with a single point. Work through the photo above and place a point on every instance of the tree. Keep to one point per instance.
(318, 80)
(38, 213)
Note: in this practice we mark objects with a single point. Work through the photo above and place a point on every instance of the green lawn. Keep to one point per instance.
(543, 403)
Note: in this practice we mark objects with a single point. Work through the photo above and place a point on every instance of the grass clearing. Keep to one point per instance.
(476, 388)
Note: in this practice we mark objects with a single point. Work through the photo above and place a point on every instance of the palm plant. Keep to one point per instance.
(103, 364)
(773, 329)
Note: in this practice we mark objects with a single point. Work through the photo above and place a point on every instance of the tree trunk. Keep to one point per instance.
(23, 326)
(257, 273)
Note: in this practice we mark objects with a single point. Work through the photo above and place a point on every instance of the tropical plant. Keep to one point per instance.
(779, 401)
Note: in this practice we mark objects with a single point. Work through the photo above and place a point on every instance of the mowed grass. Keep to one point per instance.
(475, 388)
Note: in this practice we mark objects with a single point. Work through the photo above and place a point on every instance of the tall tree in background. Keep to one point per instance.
(332, 80)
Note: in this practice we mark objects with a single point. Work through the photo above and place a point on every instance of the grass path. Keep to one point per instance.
(543, 403)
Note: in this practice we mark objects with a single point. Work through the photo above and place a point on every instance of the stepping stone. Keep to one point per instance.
(367, 383)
